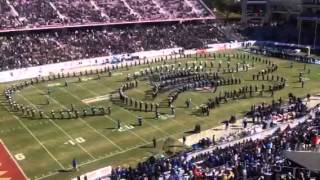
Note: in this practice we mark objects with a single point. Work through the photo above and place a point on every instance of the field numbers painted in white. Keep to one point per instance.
(20, 156)
(78, 140)
(125, 128)
(87, 79)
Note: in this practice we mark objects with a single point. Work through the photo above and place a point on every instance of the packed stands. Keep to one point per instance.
(33, 49)
(251, 159)
(30, 14)
(148, 10)
(178, 9)
(35, 13)
(7, 18)
(77, 12)
(117, 11)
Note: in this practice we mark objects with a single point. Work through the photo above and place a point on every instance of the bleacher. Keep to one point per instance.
(32, 14)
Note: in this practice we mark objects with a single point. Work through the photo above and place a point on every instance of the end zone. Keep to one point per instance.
(9, 168)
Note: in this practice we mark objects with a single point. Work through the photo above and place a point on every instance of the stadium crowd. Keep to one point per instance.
(33, 49)
(251, 159)
(40, 13)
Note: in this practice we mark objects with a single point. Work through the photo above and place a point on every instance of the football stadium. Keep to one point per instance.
(159, 89)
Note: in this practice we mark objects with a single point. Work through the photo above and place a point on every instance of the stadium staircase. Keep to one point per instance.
(194, 9)
(132, 11)
(162, 11)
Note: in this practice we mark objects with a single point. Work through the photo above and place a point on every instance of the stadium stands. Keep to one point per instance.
(7, 18)
(41, 13)
(35, 13)
(32, 49)
(77, 12)
(251, 159)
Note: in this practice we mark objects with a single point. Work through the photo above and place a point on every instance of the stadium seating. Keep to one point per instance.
(41, 13)
(116, 11)
(78, 12)
(35, 13)
(25, 50)
(251, 159)
(178, 9)
(7, 19)
(148, 10)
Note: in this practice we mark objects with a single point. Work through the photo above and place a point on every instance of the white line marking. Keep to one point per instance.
(14, 160)
(76, 97)
(32, 124)
(60, 128)
(96, 99)
(106, 156)
(123, 109)
(30, 132)
(88, 125)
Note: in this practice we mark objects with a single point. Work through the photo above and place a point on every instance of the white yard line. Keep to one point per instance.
(76, 97)
(96, 99)
(57, 126)
(32, 124)
(110, 155)
(88, 125)
(123, 109)
(34, 136)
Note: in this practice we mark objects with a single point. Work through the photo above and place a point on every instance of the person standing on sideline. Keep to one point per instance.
(118, 124)
(245, 122)
(227, 124)
(75, 164)
(154, 141)
(140, 121)
(214, 139)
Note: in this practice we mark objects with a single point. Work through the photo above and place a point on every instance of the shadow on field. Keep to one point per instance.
(173, 146)
(190, 132)
(151, 118)
(146, 146)
(135, 124)
(64, 170)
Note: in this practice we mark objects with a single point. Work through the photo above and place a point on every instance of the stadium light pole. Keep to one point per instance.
(300, 26)
(315, 34)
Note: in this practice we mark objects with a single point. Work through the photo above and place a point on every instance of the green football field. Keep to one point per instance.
(44, 148)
